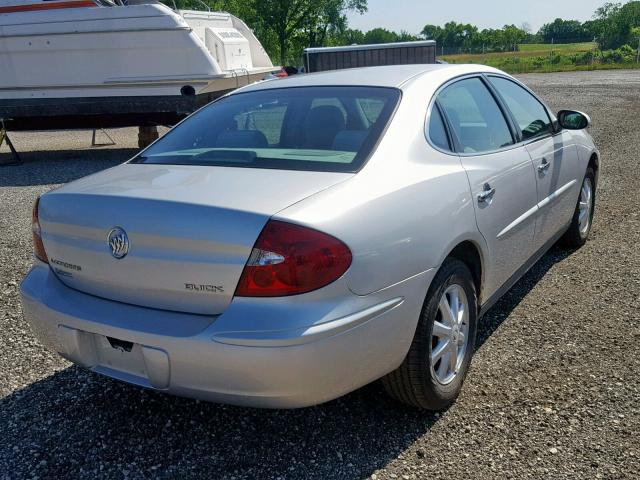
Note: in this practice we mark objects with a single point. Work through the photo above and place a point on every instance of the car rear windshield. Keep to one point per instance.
(296, 128)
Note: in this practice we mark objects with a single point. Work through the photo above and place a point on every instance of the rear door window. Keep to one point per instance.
(476, 119)
(531, 116)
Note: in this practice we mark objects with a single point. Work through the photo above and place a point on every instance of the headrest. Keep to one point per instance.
(321, 126)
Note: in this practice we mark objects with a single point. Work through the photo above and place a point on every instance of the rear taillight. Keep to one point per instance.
(38, 246)
(289, 259)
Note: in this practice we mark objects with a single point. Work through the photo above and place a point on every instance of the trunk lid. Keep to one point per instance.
(190, 230)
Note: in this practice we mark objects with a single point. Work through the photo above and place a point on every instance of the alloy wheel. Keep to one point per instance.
(585, 206)
(450, 334)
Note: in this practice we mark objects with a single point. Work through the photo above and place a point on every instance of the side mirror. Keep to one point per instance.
(573, 120)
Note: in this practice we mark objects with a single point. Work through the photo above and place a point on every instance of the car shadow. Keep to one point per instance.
(50, 167)
(497, 314)
(75, 423)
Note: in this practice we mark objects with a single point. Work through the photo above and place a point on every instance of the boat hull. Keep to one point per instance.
(113, 67)
(112, 111)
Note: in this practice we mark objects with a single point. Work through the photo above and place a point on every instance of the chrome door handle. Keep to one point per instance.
(487, 193)
(544, 166)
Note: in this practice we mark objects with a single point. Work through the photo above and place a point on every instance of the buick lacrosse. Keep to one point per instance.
(300, 238)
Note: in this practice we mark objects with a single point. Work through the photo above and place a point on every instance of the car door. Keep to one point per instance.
(500, 174)
(554, 156)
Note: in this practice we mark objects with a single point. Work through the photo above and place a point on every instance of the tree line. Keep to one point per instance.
(613, 25)
(286, 27)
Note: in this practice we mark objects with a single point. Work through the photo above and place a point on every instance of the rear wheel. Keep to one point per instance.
(433, 371)
(578, 231)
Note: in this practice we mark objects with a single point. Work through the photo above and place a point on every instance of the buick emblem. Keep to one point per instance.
(118, 242)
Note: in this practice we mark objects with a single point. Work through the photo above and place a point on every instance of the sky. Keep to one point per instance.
(412, 15)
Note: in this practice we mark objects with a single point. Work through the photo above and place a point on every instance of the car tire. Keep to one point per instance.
(419, 381)
(580, 227)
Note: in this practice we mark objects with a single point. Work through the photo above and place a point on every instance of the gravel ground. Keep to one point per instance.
(553, 391)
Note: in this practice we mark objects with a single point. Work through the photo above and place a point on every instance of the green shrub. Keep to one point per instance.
(607, 57)
(625, 54)
(555, 58)
(584, 58)
(539, 62)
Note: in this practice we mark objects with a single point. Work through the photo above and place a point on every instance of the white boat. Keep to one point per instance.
(95, 63)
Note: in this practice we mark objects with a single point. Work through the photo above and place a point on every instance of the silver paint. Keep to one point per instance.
(400, 215)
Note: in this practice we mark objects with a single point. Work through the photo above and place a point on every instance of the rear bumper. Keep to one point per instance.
(328, 347)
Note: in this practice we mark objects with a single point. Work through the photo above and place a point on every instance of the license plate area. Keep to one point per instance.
(120, 344)
(119, 358)
(120, 355)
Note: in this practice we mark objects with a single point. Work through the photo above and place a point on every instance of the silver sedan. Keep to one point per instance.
(300, 238)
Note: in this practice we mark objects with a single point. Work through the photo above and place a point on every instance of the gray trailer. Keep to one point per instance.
(400, 53)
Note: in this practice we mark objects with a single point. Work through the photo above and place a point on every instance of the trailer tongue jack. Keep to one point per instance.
(4, 138)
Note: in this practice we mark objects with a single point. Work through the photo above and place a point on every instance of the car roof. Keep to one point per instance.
(386, 76)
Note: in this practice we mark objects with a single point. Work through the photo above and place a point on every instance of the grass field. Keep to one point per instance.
(525, 50)
(538, 57)
(542, 48)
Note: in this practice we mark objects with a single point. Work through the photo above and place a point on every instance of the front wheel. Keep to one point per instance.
(433, 371)
(580, 227)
